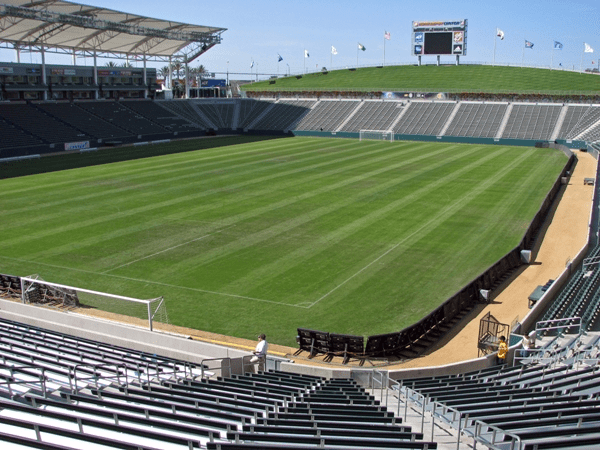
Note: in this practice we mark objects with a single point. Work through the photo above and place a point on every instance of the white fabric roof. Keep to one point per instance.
(63, 24)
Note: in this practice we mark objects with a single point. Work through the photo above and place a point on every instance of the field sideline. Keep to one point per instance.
(340, 235)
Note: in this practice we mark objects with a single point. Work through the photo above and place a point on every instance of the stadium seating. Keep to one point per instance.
(283, 115)
(220, 113)
(118, 115)
(373, 115)
(477, 120)
(250, 110)
(572, 118)
(154, 113)
(528, 121)
(131, 120)
(552, 405)
(13, 136)
(83, 120)
(58, 391)
(426, 118)
(185, 110)
(327, 115)
(35, 122)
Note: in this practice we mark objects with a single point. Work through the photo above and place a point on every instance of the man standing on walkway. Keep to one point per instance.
(260, 353)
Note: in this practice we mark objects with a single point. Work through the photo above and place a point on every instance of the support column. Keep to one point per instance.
(18, 52)
(170, 85)
(146, 86)
(97, 90)
(187, 80)
(438, 60)
(45, 93)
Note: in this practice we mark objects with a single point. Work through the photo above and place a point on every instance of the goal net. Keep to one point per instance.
(38, 291)
(378, 135)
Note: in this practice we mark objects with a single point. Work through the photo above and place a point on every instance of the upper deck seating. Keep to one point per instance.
(426, 118)
(374, 115)
(531, 121)
(284, 115)
(477, 120)
(327, 115)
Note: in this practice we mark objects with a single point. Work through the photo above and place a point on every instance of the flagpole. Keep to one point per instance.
(384, 49)
(357, 57)
(331, 58)
(552, 58)
(523, 54)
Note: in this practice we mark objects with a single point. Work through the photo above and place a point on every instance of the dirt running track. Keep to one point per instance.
(563, 235)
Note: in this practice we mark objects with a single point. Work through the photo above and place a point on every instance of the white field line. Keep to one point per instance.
(450, 209)
(391, 249)
(157, 283)
(158, 253)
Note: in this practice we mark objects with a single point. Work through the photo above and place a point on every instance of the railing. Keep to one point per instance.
(42, 379)
(491, 443)
(449, 415)
(225, 370)
(96, 377)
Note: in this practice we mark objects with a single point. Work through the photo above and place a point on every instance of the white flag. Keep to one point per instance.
(333, 50)
(587, 48)
(500, 33)
(306, 55)
(361, 47)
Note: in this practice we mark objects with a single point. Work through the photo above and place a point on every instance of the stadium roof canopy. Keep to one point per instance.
(74, 27)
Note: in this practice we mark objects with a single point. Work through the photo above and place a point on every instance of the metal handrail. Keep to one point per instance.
(96, 377)
(42, 378)
(458, 417)
(215, 359)
(492, 444)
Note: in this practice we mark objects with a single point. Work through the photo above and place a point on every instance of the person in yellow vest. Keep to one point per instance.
(502, 351)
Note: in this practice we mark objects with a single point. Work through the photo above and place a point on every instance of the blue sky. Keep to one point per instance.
(260, 30)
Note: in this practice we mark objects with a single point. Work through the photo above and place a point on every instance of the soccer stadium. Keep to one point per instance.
(419, 243)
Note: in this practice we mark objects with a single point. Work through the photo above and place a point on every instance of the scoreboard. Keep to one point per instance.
(439, 38)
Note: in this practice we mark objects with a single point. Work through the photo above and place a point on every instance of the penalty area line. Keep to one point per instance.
(157, 283)
(166, 250)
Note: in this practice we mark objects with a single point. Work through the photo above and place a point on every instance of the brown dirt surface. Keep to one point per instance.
(563, 235)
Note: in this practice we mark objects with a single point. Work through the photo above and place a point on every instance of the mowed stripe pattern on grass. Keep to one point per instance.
(347, 236)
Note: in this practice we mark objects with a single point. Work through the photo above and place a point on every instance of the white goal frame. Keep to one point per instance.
(69, 296)
(378, 135)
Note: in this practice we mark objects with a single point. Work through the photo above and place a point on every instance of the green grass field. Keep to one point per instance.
(333, 234)
(462, 78)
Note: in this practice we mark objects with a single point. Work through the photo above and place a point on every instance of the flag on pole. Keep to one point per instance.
(362, 47)
(557, 45)
(279, 58)
(252, 64)
(306, 55)
(587, 48)
(528, 44)
(387, 35)
(500, 33)
(333, 50)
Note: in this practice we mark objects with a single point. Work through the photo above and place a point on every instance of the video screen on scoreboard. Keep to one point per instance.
(440, 38)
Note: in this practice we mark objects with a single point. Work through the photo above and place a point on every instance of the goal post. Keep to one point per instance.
(377, 135)
(35, 290)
